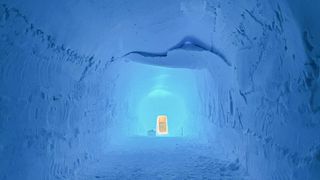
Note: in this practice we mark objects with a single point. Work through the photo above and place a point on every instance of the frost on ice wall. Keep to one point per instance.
(63, 98)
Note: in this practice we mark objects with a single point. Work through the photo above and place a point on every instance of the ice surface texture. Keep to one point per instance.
(66, 96)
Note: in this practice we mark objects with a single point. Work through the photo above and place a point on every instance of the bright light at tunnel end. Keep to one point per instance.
(162, 125)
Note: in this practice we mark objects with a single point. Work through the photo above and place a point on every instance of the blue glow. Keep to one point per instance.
(154, 89)
(161, 91)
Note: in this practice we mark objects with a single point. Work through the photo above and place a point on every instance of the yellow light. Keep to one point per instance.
(162, 125)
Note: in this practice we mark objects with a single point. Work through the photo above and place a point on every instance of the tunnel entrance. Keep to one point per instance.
(157, 98)
(169, 92)
(171, 82)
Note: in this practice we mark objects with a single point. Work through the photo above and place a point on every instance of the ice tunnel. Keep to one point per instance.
(181, 89)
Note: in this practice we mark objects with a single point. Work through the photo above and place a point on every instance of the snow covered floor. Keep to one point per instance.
(162, 158)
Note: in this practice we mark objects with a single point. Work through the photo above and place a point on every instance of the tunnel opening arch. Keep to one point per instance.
(191, 61)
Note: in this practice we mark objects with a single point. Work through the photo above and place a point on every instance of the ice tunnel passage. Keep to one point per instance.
(83, 82)
(150, 91)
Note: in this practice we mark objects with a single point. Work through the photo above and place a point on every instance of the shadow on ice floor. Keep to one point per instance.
(163, 158)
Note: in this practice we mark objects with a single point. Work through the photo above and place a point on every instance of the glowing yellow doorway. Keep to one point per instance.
(162, 125)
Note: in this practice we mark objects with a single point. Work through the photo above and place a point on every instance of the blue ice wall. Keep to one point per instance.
(240, 75)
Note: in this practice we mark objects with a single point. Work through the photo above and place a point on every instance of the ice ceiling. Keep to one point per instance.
(238, 80)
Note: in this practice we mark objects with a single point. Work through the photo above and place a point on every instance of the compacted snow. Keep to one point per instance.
(83, 81)
(163, 158)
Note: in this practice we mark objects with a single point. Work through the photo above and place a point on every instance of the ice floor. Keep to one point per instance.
(163, 158)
